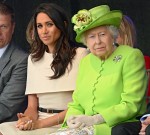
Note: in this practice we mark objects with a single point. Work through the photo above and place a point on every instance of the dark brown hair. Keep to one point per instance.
(7, 10)
(63, 52)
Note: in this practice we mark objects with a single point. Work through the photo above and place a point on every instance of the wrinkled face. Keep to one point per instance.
(47, 30)
(6, 29)
(100, 42)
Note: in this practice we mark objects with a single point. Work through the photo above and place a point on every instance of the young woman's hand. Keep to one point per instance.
(24, 122)
(22, 119)
(29, 125)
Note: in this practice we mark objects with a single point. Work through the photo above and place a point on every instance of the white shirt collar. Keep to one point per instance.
(2, 50)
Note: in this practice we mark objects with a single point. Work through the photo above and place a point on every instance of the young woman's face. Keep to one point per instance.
(47, 30)
(100, 41)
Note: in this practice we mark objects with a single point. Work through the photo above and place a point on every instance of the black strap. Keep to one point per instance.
(49, 110)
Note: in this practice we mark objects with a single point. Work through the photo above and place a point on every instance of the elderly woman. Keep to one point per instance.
(110, 85)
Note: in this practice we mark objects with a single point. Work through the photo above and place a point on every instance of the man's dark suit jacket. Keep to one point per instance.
(13, 73)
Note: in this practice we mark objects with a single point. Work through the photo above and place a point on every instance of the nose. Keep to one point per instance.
(98, 39)
(45, 30)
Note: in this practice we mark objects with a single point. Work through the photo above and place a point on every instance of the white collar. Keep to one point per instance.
(2, 50)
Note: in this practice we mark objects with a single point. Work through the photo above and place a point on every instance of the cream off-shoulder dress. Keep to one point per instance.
(52, 94)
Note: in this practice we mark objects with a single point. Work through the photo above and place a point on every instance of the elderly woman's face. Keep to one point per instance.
(100, 42)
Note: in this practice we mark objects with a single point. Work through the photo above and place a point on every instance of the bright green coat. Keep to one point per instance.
(114, 88)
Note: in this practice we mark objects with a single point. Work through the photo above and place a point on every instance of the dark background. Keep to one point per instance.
(137, 10)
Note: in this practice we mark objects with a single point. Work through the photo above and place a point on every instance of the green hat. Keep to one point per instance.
(97, 16)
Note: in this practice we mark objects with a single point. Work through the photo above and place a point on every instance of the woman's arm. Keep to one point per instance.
(32, 109)
(30, 113)
(50, 121)
(47, 122)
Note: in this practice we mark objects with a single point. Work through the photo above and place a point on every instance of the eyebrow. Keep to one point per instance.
(46, 22)
(3, 25)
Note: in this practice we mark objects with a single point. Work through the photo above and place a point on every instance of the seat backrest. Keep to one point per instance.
(147, 65)
(147, 62)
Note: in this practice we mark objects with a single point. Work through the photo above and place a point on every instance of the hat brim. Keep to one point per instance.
(111, 18)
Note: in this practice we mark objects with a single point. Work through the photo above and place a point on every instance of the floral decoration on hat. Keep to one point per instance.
(81, 19)
(98, 16)
(117, 58)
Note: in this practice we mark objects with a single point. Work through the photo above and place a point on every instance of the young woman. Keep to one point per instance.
(52, 69)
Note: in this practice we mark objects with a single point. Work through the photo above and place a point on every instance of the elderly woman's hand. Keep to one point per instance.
(72, 123)
(84, 120)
